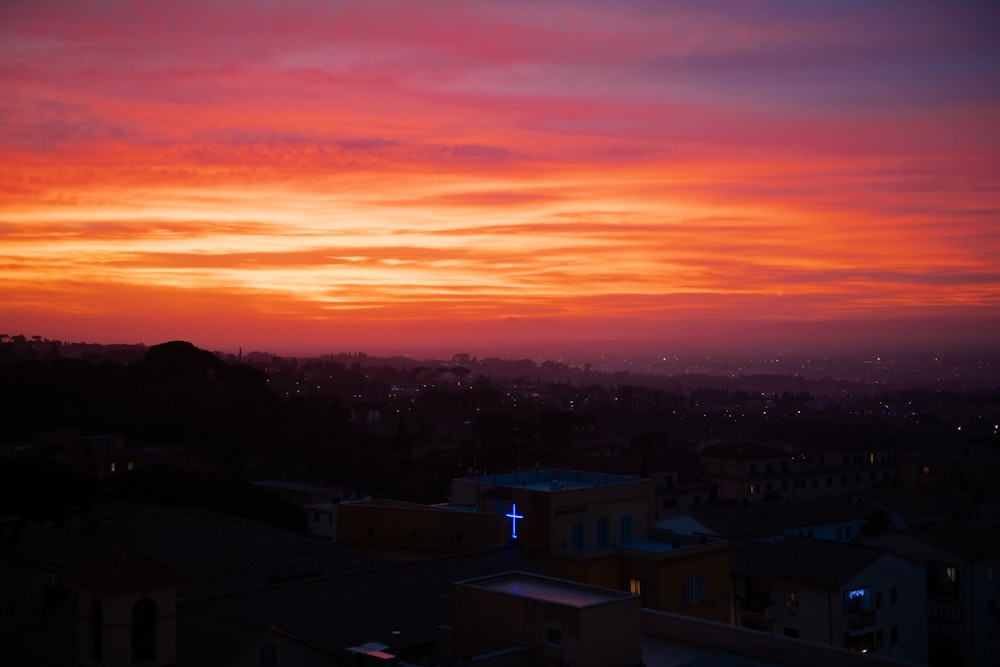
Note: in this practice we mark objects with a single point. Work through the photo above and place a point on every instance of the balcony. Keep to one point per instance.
(862, 619)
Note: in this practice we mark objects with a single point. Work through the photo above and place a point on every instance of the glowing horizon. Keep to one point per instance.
(340, 174)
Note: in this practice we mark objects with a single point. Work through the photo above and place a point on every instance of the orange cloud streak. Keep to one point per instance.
(446, 183)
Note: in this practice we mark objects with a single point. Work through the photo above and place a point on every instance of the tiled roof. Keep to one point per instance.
(336, 612)
(734, 522)
(812, 511)
(800, 559)
(126, 569)
(971, 541)
(212, 553)
(918, 504)
(772, 518)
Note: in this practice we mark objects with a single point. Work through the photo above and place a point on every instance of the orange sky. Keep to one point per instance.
(328, 176)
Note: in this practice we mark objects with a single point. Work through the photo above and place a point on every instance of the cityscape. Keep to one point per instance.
(789, 518)
(520, 333)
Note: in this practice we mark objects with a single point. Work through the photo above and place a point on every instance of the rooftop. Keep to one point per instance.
(546, 589)
(554, 479)
(744, 450)
(801, 559)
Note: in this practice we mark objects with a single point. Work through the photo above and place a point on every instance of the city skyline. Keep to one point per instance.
(390, 177)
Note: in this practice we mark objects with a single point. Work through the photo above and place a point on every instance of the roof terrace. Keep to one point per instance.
(546, 589)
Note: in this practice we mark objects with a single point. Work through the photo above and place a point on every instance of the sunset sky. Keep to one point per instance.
(488, 176)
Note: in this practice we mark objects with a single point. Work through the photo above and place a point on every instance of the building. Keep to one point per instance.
(558, 622)
(850, 596)
(127, 606)
(837, 518)
(248, 595)
(962, 595)
(588, 527)
(753, 472)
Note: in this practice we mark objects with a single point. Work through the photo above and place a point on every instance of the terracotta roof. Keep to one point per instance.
(801, 559)
(972, 541)
(336, 612)
(125, 569)
(213, 553)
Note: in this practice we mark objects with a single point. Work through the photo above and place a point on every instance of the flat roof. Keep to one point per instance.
(554, 479)
(557, 591)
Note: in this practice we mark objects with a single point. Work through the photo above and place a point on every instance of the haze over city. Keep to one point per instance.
(501, 178)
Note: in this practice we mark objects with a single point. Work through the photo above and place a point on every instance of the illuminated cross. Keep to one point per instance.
(513, 516)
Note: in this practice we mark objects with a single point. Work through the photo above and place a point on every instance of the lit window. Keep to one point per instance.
(792, 599)
(952, 573)
(131, 465)
(112, 467)
(635, 586)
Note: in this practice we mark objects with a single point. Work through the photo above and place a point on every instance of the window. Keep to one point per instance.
(894, 635)
(553, 637)
(112, 467)
(858, 601)
(578, 535)
(893, 596)
(626, 529)
(694, 589)
(792, 632)
(602, 533)
(792, 599)
(143, 630)
(991, 573)
(635, 586)
(878, 599)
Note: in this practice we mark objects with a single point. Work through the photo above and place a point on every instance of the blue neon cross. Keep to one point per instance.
(513, 516)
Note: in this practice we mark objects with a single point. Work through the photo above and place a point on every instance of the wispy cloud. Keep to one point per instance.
(543, 161)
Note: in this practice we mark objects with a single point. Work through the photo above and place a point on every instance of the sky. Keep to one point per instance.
(491, 176)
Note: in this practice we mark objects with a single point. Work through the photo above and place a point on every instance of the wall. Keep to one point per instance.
(755, 644)
(663, 579)
(117, 627)
(418, 528)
